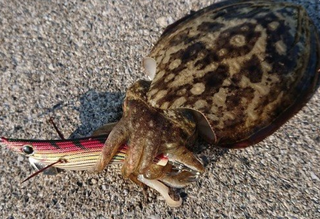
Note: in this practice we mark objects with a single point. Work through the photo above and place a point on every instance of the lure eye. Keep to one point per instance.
(27, 149)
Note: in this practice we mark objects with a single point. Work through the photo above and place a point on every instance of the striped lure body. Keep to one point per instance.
(78, 154)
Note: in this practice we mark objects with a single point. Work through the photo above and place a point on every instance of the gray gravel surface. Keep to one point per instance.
(74, 60)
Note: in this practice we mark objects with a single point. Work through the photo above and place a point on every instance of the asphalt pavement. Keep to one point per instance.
(74, 60)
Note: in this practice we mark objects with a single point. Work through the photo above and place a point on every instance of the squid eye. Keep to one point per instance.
(27, 149)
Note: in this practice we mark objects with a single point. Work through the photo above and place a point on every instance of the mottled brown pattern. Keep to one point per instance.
(223, 40)
(209, 26)
(251, 58)
(252, 69)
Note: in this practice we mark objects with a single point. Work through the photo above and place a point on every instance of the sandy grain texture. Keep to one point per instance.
(74, 60)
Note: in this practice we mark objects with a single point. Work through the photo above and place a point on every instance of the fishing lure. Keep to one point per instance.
(53, 156)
